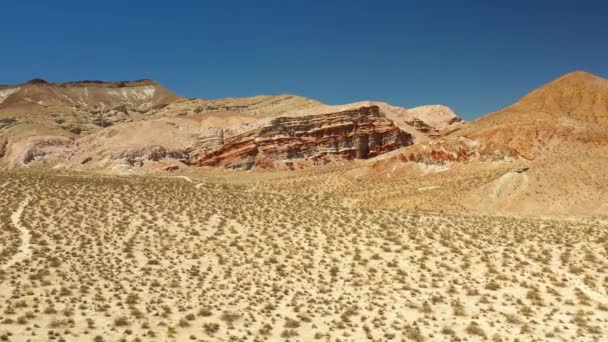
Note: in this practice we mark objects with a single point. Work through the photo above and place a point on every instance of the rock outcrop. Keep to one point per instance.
(260, 106)
(461, 149)
(39, 150)
(423, 123)
(151, 143)
(295, 142)
(436, 116)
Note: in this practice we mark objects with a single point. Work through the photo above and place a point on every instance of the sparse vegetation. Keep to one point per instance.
(152, 258)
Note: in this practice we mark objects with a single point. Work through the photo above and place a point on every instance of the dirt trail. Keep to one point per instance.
(25, 250)
(183, 177)
(188, 179)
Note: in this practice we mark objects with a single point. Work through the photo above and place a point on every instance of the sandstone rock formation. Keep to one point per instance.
(139, 124)
(155, 143)
(423, 123)
(297, 141)
(457, 150)
(437, 116)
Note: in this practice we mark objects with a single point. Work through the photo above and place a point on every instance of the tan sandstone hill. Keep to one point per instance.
(547, 148)
(117, 124)
(84, 106)
(572, 108)
(578, 95)
(40, 119)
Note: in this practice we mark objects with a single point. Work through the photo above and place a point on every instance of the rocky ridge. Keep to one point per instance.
(423, 123)
(84, 106)
(569, 112)
(140, 124)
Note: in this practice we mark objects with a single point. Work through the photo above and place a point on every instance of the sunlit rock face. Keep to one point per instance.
(295, 142)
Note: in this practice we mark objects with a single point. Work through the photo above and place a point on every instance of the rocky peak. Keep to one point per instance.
(36, 81)
(116, 84)
(436, 116)
(579, 95)
(579, 77)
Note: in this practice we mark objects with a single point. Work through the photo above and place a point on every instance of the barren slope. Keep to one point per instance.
(544, 155)
(84, 106)
(261, 105)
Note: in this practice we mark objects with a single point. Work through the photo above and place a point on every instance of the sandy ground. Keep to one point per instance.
(202, 259)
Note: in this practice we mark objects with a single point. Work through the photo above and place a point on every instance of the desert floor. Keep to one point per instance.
(141, 258)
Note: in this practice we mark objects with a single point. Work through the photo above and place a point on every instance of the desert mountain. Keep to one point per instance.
(578, 95)
(571, 110)
(323, 134)
(85, 106)
(549, 147)
(41, 120)
(38, 118)
(238, 141)
(165, 143)
(124, 125)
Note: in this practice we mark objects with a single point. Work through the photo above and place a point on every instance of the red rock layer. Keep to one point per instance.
(291, 142)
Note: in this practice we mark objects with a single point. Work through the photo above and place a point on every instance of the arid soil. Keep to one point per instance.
(213, 256)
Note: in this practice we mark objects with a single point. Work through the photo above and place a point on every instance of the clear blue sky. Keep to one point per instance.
(474, 56)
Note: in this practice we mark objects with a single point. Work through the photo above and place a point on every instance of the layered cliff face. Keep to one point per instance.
(295, 142)
(424, 123)
(117, 125)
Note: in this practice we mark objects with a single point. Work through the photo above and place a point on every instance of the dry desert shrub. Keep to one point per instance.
(154, 258)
